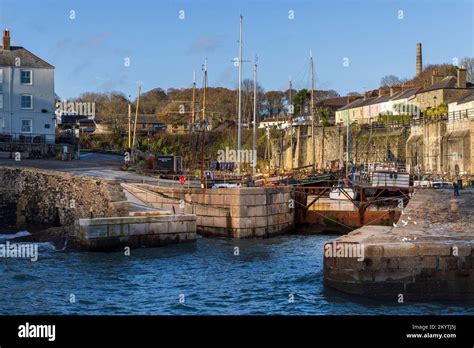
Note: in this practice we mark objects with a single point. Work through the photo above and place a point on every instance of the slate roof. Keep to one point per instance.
(355, 104)
(28, 59)
(334, 102)
(406, 94)
(469, 96)
(447, 82)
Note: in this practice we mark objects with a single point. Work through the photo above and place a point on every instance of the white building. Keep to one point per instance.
(26, 95)
(403, 103)
(463, 107)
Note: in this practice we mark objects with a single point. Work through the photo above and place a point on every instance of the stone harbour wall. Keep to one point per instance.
(428, 254)
(41, 197)
(114, 233)
(236, 212)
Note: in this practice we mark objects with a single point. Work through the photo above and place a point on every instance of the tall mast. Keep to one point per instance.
(291, 125)
(313, 152)
(136, 118)
(193, 119)
(204, 91)
(347, 145)
(129, 123)
(254, 143)
(239, 139)
(203, 119)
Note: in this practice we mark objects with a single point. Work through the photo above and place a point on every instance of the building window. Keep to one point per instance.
(26, 126)
(47, 126)
(26, 77)
(1, 101)
(27, 101)
(1, 76)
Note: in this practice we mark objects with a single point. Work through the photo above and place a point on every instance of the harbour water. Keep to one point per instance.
(202, 278)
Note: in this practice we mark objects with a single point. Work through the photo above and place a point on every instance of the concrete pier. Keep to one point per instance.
(428, 254)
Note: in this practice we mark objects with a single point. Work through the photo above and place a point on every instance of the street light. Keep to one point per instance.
(78, 139)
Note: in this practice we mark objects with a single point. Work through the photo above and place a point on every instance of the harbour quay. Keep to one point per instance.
(84, 212)
(226, 212)
(427, 255)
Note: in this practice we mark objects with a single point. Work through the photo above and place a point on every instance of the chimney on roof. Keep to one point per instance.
(419, 59)
(6, 39)
(384, 91)
(435, 77)
(461, 77)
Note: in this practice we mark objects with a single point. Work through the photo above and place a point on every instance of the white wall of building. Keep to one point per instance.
(41, 115)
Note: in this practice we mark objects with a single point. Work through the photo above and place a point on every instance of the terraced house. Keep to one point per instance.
(26, 96)
(443, 90)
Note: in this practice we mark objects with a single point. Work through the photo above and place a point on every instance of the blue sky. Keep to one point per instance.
(89, 51)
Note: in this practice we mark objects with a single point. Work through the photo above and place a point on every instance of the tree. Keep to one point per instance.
(324, 94)
(424, 79)
(390, 80)
(247, 100)
(300, 101)
(468, 63)
(274, 103)
(324, 113)
(354, 94)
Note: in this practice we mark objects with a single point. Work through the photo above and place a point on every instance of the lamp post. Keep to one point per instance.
(78, 139)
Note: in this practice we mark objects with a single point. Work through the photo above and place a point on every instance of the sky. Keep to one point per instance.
(354, 43)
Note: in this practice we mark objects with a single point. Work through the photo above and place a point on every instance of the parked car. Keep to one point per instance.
(442, 185)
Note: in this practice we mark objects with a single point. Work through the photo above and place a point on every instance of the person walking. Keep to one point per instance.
(456, 188)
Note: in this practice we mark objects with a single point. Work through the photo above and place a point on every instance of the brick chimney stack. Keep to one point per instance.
(436, 77)
(6, 39)
(419, 59)
(462, 77)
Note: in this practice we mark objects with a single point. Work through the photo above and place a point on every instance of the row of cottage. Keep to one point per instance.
(453, 91)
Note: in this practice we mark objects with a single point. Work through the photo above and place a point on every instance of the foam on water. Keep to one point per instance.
(14, 235)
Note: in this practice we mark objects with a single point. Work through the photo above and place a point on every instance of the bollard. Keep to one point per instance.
(454, 203)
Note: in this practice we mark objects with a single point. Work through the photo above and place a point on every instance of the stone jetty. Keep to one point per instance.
(427, 254)
(89, 213)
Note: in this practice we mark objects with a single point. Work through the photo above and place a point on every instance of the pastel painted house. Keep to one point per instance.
(27, 96)
(368, 110)
(351, 112)
(404, 103)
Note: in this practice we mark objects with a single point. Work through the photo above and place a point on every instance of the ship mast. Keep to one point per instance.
(129, 123)
(239, 122)
(203, 122)
(254, 142)
(193, 119)
(203, 118)
(291, 125)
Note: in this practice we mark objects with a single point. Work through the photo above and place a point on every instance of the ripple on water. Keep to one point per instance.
(213, 280)
(25, 277)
